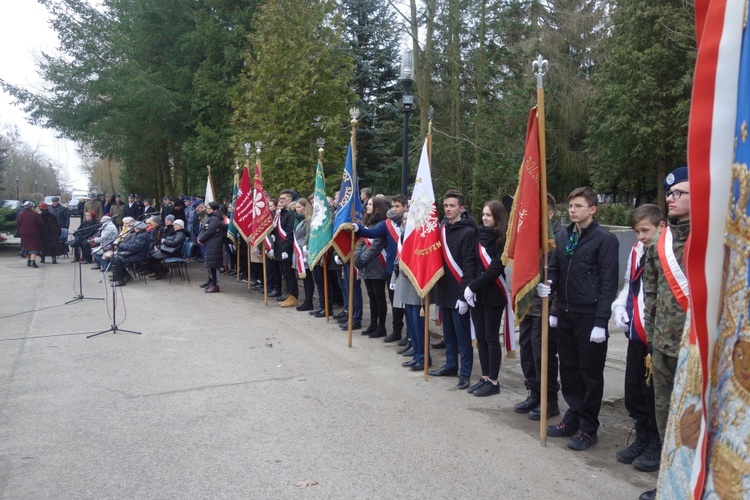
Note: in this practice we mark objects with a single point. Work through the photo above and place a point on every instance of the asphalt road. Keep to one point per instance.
(224, 397)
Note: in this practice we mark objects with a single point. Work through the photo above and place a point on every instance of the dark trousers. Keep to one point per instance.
(398, 315)
(530, 346)
(639, 396)
(415, 329)
(335, 292)
(213, 276)
(357, 306)
(318, 278)
(290, 278)
(273, 274)
(378, 304)
(308, 284)
(581, 370)
(487, 328)
(119, 269)
(457, 335)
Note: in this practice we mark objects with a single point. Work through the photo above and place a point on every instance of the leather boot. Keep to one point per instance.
(529, 403)
(636, 448)
(213, 289)
(650, 459)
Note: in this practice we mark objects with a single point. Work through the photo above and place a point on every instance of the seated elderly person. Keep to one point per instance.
(102, 242)
(133, 250)
(170, 246)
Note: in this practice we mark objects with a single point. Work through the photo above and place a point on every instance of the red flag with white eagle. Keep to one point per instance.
(242, 216)
(421, 254)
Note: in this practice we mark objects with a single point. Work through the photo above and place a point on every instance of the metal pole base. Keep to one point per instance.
(113, 329)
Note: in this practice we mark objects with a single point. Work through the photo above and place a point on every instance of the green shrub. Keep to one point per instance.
(613, 215)
(7, 224)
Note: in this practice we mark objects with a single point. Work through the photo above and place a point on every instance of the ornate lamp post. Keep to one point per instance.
(18, 191)
(407, 79)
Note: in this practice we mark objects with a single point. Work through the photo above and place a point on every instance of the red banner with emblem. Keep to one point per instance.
(262, 222)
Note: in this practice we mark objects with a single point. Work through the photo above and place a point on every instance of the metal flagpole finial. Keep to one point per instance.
(258, 147)
(540, 67)
(430, 113)
(237, 166)
(354, 113)
(247, 149)
(321, 144)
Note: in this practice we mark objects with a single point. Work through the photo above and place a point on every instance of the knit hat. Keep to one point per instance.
(170, 218)
(140, 225)
(106, 218)
(180, 222)
(155, 219)
(43, 206)
(92, 214)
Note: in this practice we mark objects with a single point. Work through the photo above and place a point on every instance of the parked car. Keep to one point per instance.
(12, 204)
(73, 203)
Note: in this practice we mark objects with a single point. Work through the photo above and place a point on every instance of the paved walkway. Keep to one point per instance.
(223, 397)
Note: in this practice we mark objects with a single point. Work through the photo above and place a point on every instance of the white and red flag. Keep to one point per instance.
(242, 216)
(421, 254)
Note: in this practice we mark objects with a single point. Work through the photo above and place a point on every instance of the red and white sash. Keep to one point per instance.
(267, 243)
(381, 256)
(299, 259)
(510, 327)
(279, 229)
(395, 232)
(639, 302)
(455, 270)
(672, 272)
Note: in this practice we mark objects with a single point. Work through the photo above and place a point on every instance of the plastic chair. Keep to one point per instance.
(177, 264)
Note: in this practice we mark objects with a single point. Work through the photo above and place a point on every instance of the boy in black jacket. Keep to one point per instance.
(584, 273)
(457, 231)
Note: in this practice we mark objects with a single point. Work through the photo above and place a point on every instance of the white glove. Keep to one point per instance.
(621, 317)
(284, 255)
(470, 297)
(544, 290)
(462, 306)
(355, 227)
(553, 321)
(270, 254)
(598, 335)
(305, 253)
(338, 260)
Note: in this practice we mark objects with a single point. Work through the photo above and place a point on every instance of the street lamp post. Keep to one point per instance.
(18, 191)
(45, 190)
(407, 79)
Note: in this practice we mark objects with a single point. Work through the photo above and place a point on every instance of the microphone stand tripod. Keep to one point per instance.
(80, 296)
(114, 328)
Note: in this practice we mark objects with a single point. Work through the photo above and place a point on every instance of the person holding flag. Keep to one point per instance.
(457, 236)
(321, 233)
(370, 260)
(488, 297)
(283, 248)
(301, 240)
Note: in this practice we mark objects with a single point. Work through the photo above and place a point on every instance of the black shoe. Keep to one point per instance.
(370, 329)
(476, 386)
(379, 333)
(553, 410)
(282, 298)
(582, 441)
(321, 313)
(417, 367)
(438, 345)
(355, 326)
(406, 347)
(488, 389)
(444, 371)
(206, 284)
(274, 293)
(407, 364)
(316, 311)
(343, 319)
(648, 495)
(393, 337)
(650, 459)
(403, 341)
(340, 315)
(33, 264)
(409, 352)
(304, 307)
(636, 448)
(528, 404)
(463, 382)
(560, 430)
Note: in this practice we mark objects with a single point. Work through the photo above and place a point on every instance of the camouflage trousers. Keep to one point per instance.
(664, 367)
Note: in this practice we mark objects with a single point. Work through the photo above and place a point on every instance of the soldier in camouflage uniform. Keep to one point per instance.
(666, 307)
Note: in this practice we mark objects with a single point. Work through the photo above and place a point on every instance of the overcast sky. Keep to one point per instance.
(24, 32)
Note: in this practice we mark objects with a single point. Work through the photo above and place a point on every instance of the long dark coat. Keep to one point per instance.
(211, 238)
(29, 225)
(50, 234)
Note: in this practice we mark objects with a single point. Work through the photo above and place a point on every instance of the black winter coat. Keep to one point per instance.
(460, 240)
(586, 282)
(485, 285)
(50, 234)
(134, 249)
(366, 258)
(211, 238)
(286, 218)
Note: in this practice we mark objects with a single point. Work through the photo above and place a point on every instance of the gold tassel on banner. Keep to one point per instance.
(649, 369)
(421, 311)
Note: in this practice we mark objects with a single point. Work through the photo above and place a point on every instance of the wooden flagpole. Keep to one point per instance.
(321, 143)
(354, 113)
(426, 305)
(541, 66)
(258, 148)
